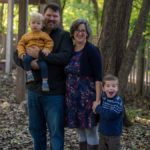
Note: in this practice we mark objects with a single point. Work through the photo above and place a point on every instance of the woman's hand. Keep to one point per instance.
(33, 51)
(95, 104)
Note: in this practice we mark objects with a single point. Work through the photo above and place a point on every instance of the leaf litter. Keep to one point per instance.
(14, 134)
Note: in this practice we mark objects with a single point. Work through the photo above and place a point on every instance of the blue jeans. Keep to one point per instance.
(46, 111)
(42, 64)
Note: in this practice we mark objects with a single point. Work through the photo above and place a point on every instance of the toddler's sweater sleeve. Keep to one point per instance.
(48, 42)
(21, 46)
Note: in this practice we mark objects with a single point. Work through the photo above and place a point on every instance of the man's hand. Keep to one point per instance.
(45, 52)
(33, 51)
(34, 64)
(95, 104)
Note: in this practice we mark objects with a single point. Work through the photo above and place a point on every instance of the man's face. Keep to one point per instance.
(52, 19)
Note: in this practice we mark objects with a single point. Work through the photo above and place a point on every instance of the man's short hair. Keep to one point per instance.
(54, 6)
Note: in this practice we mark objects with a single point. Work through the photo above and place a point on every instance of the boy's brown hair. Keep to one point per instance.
(109, 77)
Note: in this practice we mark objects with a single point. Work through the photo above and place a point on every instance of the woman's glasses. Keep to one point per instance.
(82, 31)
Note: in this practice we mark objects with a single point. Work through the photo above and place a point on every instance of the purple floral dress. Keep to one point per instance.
(80, 94)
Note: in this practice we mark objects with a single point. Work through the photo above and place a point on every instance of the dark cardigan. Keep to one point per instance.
(91, 62)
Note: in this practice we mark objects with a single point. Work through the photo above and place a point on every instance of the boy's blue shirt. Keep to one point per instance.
(111, 115)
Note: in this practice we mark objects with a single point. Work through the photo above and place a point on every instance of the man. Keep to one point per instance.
(46, 110)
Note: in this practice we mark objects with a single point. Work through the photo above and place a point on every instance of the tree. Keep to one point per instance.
(117, 53)
(96, 13)
(1, 16)
(114, 35)
(140, 67)
(20, 92)
(55, 1)
(131, 49)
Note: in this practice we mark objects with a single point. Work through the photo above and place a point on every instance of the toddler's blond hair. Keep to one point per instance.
(35, 16)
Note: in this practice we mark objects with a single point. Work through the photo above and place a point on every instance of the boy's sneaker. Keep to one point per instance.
(45, 87)
(30, 77)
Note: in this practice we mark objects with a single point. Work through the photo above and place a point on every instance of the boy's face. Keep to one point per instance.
(110, 88)
(35, 25)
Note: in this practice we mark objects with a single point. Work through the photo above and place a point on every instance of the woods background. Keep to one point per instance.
(121, 29)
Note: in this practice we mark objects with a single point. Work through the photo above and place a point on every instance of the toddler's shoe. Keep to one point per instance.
(45, 87)
(30, 78)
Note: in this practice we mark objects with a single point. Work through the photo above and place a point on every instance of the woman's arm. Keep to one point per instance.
(98, 88)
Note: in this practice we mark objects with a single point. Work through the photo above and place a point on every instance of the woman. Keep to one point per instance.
(83, 86)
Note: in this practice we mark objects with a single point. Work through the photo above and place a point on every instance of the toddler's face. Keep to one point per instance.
(35, 25)
(110, 88)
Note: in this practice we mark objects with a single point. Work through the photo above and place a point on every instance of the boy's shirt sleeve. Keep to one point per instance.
(110, 111)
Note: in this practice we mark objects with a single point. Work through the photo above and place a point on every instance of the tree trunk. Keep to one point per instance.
(146, 89)
(140, 69)
(20, 84)
(96, 13)
(129, 56)
(114, 33)
(1, 17)
(63, 4)
(9, 37)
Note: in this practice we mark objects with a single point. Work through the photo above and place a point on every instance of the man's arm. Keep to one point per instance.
(65, 51)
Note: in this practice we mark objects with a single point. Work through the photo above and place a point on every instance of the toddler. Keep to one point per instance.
(39, 39)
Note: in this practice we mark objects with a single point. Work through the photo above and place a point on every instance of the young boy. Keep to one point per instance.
(110, 110)
(39, 39)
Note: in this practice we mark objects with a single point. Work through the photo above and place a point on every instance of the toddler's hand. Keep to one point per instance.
(22, 56)
(33, 51)
(45, 52)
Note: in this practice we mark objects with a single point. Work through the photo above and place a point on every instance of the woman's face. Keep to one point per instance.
(80, 35)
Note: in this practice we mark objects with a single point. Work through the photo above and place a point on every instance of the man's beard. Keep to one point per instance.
(50, 25)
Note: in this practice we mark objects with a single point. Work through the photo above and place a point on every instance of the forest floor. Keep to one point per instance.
(14, 134)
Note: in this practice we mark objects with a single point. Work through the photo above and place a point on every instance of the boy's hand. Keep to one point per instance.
(45, 52)
(33, 51)
(95, 104)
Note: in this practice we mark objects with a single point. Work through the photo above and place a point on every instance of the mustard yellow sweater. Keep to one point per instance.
(39, 39)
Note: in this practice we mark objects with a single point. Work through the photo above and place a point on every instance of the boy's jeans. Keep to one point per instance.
(46, 110)
(42, 64)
